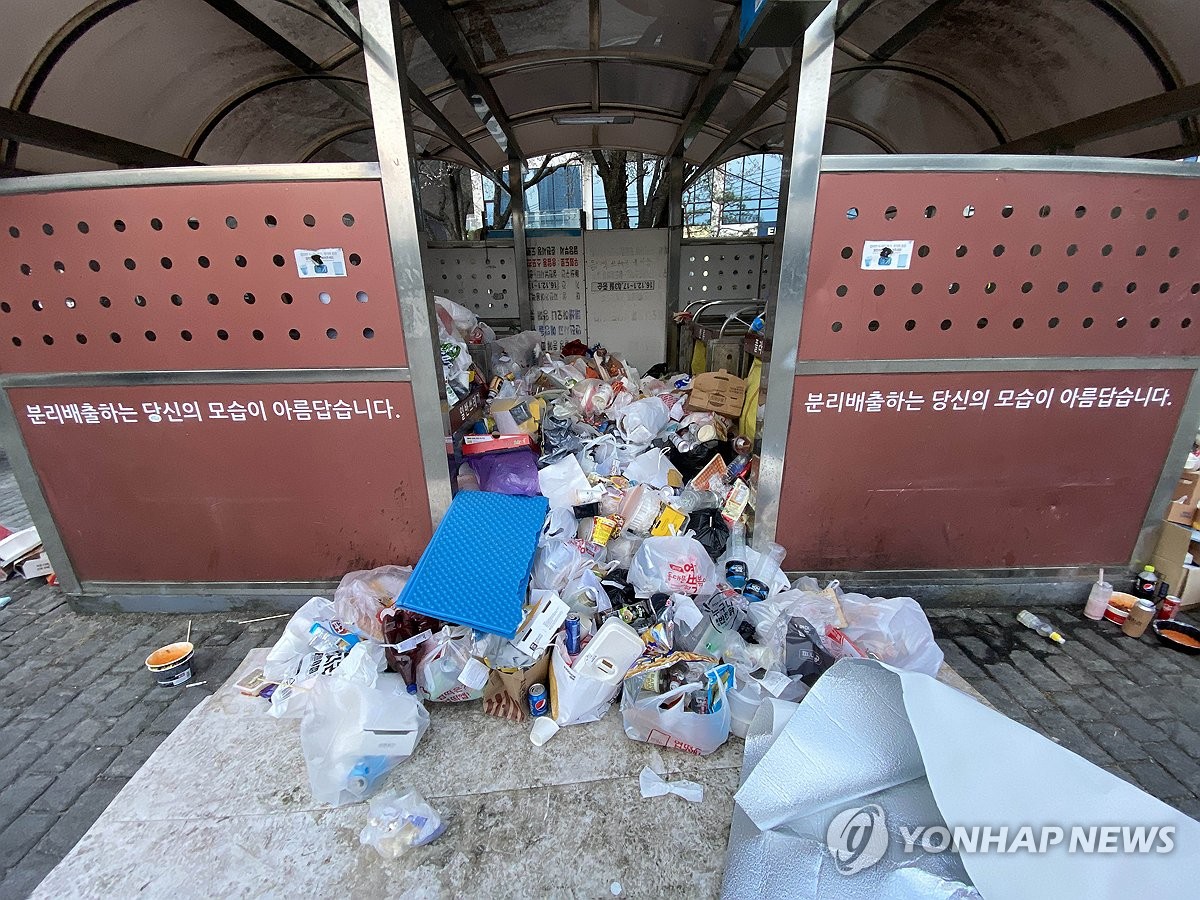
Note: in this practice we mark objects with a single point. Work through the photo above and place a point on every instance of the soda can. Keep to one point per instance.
(1170, 606)
(572, 634)
(539, 700)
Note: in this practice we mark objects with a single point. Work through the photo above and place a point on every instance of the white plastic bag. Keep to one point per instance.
(564, 484)
(361, 596)
(556, 564)
(652, 468)
(560, 525)
(398, 821)
(676, 728)
(895, 630)
(642, 420)
(352, 735)
(676, 564)
(449, 672)
(282, 659)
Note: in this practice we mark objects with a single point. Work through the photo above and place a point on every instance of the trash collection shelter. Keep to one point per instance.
(193, 409)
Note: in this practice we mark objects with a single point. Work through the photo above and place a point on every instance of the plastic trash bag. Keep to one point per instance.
(642, 420)
(895, 630)
(673, 565)
(361, 596)
(564, 483)
(652, 468)
(514, 472)
(398, 821)
(448, 671)
(560, 525)
(352, 735)
(709, 528)
(293, 644)
(648, 719)
(556, 564)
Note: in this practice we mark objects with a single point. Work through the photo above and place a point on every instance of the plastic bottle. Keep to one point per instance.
(1097, 601)
(365, 773)
(1042, 627)
(1146, 584)
(735, 557)
(758, 584)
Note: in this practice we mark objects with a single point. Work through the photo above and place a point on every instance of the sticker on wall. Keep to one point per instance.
(331, 262)
(887, 254)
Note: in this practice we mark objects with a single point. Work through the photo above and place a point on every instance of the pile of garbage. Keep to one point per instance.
(642, 588)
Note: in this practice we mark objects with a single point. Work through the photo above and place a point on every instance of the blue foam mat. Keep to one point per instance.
(475, 570)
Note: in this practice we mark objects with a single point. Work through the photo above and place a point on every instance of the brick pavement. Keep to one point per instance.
(1128, 705)
(79, 714)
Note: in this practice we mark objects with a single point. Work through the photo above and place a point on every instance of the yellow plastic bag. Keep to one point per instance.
(749, 421)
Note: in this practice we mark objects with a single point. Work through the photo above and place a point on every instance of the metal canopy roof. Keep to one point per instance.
(252, 81)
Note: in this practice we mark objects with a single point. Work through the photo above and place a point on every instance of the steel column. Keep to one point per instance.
(674, 251)
(392, 139)
(516, 198)
(811, 104)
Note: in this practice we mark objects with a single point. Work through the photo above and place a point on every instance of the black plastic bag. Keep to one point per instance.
(804, 655)
(694, 460)
(710, 530)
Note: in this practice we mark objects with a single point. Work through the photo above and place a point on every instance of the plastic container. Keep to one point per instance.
(171, 665)
(743, 705)
(1097, 601)
(611, 652)
(639, 509)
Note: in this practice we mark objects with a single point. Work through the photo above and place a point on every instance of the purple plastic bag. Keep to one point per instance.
(512, 472)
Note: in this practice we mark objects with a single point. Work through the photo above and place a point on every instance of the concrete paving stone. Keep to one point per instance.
(21, 759)
(26, 875)
(1189, 806)
(1018, 685)
(1183, 736)
(976, 650)
(75, 779)
(57, 757)
(1101, 645)
(960, 662)
(176, 712)
(75, 822)
(1058, 728)
(131, 757)
(1154, 779)
(61, 723)
(48, 704)
(1115, 742)
(1183, 768)
(15, 798)
(1138, 728)
(1075, 707)
(129, 725)
(1070, 671)
(22, 834)
(1036, 671)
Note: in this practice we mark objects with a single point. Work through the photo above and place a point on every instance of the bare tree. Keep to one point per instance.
(619, 170)
(445, 197)
(530, 177)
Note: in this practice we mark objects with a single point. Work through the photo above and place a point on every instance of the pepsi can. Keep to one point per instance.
(572, 634)
(539, 700)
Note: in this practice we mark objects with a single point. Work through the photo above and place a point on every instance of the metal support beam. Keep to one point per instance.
(901, 39)
(1169, 106)
(349, 26)
(739, 130)
(675, 223)
(384, 63)
(516, 198)
(26, 128)
(727, 61)
(436, 23)
(253, 25)
(804, 175)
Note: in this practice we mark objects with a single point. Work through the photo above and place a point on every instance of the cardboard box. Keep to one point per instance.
(1174, 542)
(38, 567)
(717, 392)
(1185, 500)
(1190, 594)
